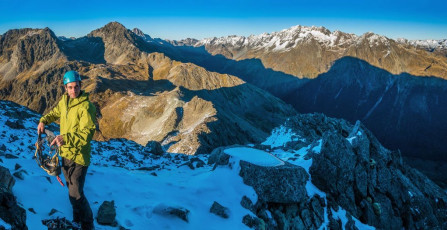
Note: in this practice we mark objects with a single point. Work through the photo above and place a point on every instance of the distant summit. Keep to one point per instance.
(140, 33)
(437, 46)
(307, 52)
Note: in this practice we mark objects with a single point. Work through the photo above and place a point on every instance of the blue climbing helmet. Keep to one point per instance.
(71, 76)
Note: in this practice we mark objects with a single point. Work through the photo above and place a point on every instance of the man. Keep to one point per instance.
(77, 125)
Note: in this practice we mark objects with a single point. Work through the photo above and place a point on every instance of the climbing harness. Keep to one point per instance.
(48, 162)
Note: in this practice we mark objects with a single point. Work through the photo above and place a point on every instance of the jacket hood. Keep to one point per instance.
(83, 96)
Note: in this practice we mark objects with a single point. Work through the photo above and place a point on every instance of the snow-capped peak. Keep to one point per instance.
(430, 44)
(282, 41)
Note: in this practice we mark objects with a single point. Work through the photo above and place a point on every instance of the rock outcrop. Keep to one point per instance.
(107, 213)
(357, 178)
(10, 211)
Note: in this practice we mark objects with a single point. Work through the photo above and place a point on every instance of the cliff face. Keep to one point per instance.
(21, 50)
(405, 112)
(320, 172)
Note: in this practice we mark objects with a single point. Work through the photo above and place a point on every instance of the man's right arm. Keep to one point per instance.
(51, 117)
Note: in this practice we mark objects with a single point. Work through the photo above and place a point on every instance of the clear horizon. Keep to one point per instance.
(176, 20)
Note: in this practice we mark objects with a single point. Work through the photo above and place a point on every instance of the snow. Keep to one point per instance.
(136, 193)
(280, 137)
(351, 139)
(254, 156)
(429, 44)
(122, 171)
(341, 215)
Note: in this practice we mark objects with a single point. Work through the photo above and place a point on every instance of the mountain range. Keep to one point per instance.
(142, 95)
(238, 103)
(194, 95)
(397, 88)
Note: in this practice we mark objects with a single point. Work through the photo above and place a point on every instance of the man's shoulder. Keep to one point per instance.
(63, 99)
(88, 105)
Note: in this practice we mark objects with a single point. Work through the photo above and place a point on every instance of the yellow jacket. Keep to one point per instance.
(77, 125)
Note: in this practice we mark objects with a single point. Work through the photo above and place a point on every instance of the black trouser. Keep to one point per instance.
(75, 178)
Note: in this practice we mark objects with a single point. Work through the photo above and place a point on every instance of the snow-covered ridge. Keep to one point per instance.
(287, 39)
(430, 44)
(283, 40)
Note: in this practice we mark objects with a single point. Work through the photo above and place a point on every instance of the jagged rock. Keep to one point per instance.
(14, 124)
(358, 174)
(334, 224)
(189, 164)
(279, 184)
(10, 211)
(281, 219)
(53, 210)
(11, 156)
(2, 148)
(107, 213)
(253, 222)
(297, 223)
(19, 174)
(6, 179)
(154, 147)
(350, 225)
(247, 203)
(220, 210)
(60, 223)
(354, 172)
(218, 157)
(178, 212)
(317, 206)
(151, 168)
(197, 162)
(32, 210)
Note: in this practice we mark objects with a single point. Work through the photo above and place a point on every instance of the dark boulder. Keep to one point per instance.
(154, 147)
(178, 212)
(280, 184)
(107, 213)
(220, 210)
(6, 178)
(10, 211)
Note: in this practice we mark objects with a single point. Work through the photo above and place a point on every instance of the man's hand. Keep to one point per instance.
(59, 141)
(41, 128)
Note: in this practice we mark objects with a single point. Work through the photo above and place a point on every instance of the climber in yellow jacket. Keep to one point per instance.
(77, 125)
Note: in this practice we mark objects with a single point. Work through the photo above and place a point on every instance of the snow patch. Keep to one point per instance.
(341, 215)
(254, 156)
(280, 137)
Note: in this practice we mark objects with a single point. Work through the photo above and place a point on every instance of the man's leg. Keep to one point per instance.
(75, 178)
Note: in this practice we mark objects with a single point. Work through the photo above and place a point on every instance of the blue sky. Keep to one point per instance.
(174, 19)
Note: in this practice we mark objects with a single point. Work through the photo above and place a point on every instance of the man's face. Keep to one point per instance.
(73, 89)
